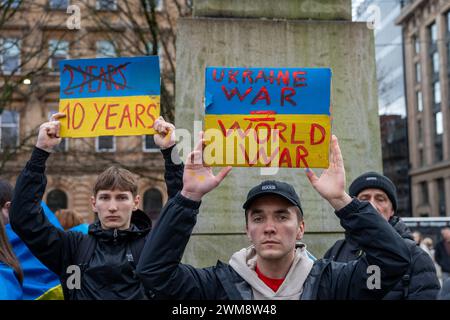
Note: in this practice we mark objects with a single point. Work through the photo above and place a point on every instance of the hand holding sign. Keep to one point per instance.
(165, 133)
(49, 133)
(198, 179)
(331, 183)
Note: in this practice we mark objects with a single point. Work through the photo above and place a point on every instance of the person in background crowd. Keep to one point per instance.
(420, 281)
(442, 253)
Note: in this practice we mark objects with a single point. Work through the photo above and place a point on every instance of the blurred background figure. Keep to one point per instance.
(427, 245)
(442, 253)
(71, 220)
(417, 236)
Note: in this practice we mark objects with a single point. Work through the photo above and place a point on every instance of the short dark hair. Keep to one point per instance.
(6, 192)
(116, 178)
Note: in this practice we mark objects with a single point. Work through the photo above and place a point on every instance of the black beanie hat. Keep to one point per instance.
(374, 180)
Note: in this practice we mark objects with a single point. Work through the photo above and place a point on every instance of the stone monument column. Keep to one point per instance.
(283, 33)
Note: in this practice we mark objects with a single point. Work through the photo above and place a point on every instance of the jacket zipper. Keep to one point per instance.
(115, 234)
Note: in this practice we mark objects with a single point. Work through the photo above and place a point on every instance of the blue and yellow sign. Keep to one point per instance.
(277, 117)
(109, 96)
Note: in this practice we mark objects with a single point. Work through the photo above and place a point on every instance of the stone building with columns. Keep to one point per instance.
(426, 35)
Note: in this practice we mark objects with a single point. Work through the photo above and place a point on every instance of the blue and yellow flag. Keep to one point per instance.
(39, 282)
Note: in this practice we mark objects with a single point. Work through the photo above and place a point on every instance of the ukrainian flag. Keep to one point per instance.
(39, 282)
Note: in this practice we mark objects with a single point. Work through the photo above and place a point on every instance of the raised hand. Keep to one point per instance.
(48, 137)
(198, 179)
(331, 183)
(165, 136)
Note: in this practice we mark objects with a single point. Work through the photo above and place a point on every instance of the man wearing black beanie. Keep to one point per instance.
(420, 282)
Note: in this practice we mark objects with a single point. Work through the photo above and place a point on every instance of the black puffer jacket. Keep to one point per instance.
(110, 270)
(420, 282)
(162, 273)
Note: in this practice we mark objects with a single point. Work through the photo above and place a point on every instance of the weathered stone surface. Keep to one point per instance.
(346, 47)
(281, 9)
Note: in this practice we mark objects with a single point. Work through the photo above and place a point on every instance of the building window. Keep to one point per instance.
(57, 199)
(8, 4)
(58, 50)
(435, 62)
(9, 129)
(419, 101)
(10, 55)
(158, 4)
(152, 204)
(63, 146)
(106, 5)
(421, 158)
(433, 33)
(439, 123)
(441, 196)
(418, 75)
(159, 52)
(419, 130)
(58, 4)
(416, 42)
(105, 144)
(149, 144)
(105, 49)
(448, 22)
(437, 92)
(424, 199)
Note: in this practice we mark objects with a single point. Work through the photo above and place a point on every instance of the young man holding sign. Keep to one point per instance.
(100, 265)
(274, 267)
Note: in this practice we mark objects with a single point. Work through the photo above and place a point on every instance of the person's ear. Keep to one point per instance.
(137, 200)
(93, 202)
(7, 205)
(301, 230)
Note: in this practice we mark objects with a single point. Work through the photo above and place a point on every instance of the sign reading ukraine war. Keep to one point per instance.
(278, 117)
(109, 96)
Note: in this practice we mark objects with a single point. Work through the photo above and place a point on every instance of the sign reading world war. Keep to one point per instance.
(109, 96)
(277, 117)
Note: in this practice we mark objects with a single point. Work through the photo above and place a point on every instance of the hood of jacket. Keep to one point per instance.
(401, 227)
(244, 263)
(139, 227)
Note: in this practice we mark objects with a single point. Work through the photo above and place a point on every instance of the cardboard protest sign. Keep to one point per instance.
(109, 96)
(277, 117)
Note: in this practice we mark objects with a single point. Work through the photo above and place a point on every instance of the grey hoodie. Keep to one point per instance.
(244, 263)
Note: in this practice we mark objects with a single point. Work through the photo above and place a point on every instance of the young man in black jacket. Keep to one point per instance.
(420, 282)
(274, 267)
(100, 265)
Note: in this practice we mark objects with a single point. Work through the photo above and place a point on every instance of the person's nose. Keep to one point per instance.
(269, 227)
(112, 206)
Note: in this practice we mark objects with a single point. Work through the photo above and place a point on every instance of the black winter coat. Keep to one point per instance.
(110, 272)
(420, 282)
(161, 271)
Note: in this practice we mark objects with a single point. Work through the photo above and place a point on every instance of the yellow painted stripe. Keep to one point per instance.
(249, 140)
(110, 116)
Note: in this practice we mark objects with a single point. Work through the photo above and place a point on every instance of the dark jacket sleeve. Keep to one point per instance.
(160, 267)
(174, 171)
(385, 250)
(27, 217)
